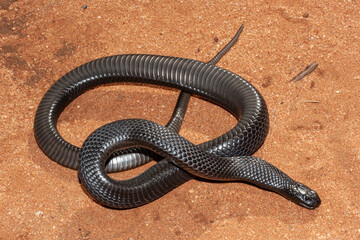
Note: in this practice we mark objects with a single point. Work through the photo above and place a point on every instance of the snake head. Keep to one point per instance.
(304, 196)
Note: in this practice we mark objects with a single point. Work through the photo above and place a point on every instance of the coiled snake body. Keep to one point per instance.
(226, 158)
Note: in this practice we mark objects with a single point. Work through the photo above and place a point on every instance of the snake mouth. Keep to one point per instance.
(312, 204)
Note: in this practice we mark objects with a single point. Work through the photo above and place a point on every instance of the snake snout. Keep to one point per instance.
(305, 196)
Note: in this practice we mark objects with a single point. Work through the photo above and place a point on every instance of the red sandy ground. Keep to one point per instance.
(316, 143)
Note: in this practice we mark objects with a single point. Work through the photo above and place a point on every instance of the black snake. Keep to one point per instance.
(225, 158)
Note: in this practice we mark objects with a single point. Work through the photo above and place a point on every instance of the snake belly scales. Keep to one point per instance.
(225, 158)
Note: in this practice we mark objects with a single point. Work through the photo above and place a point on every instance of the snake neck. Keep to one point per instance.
(267, 176)
(261, 173)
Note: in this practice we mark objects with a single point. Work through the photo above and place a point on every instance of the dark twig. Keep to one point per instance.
(305, 72)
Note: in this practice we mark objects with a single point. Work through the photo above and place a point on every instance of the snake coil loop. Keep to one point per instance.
(225, 158)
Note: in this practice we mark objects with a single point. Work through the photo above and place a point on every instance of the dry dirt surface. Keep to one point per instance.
(314, 134)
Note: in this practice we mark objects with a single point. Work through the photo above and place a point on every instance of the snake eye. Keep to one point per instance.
(307, 199)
